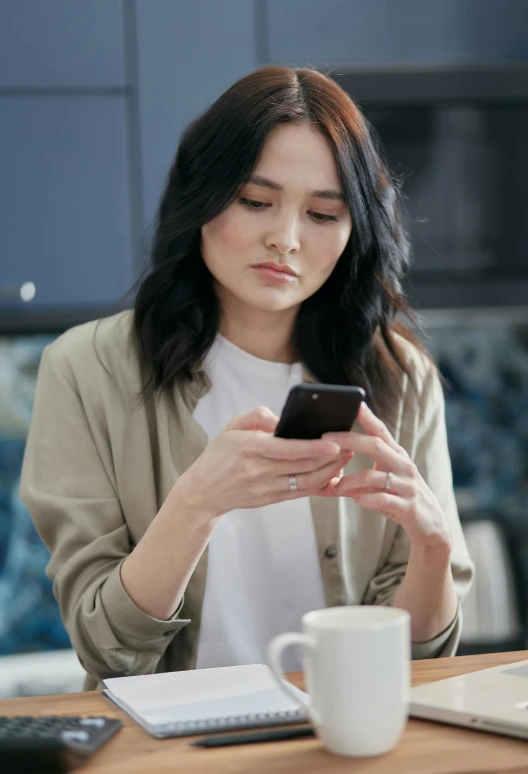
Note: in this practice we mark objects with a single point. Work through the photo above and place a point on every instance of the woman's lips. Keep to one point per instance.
(277, 275)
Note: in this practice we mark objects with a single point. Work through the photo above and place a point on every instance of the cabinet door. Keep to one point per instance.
(61, 43)
(64, 200)
(186, 59)
(444, 32)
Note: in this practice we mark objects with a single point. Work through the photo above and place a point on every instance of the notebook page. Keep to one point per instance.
(202, 693)
(262, 704)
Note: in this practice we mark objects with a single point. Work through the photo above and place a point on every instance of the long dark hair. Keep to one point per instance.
(344, 333)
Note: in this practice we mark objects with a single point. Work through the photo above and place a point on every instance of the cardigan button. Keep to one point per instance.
(330, 552)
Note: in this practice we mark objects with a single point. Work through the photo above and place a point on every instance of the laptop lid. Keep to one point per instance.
(494, 699)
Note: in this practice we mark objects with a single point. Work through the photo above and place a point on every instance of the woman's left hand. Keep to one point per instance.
(394, 486)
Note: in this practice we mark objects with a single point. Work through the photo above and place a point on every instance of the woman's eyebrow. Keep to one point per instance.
(327, 193)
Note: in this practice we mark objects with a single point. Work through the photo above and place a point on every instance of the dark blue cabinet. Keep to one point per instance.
(64, 200)
(94, 95)
(188, 53)
(66, 214)
(384, 32)
(61, 43)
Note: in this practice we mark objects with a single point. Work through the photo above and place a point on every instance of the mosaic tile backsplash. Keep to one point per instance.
(486, 366)
(29, 617)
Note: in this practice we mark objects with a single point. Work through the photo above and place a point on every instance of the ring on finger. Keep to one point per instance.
(390, 476)
(293, 483)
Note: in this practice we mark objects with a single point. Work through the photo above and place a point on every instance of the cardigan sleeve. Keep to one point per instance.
(67, 484)
(431, 457)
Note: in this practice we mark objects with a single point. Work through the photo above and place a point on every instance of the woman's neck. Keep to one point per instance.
(268, 337)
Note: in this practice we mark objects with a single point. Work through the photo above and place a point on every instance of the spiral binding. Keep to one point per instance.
(234, 721)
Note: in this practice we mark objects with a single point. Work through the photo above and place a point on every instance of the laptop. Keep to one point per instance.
(494, 699)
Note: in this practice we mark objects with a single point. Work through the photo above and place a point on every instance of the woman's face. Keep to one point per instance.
(279, 240)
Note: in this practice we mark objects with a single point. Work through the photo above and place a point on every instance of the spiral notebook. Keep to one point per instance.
(204, 700)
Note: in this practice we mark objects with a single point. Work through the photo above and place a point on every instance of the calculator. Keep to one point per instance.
(50, 743)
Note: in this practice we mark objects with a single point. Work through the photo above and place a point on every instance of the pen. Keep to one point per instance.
(275, 735)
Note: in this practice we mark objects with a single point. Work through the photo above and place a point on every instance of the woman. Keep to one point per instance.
(182, 532)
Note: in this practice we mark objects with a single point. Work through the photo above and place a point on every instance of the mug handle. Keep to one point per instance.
(275, 648)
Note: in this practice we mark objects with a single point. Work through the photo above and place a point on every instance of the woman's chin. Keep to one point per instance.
(274, 304)
(262, 299)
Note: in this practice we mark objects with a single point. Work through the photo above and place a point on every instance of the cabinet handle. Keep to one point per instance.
(18, 292)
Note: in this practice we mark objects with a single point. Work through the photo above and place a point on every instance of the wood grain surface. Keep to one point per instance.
(425, 748)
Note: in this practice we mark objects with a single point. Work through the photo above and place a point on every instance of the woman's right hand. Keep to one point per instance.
(246, 466)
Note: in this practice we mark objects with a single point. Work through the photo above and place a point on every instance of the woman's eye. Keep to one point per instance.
(254, 205)
(318, 216)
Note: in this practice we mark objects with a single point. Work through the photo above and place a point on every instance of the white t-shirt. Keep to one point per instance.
(263, 573)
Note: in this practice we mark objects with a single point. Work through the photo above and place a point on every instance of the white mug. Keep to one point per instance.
(357, 666)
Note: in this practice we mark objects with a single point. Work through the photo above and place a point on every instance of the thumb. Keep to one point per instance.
(261, 418)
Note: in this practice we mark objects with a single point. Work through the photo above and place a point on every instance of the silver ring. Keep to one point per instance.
(389, 480)
(293, 483)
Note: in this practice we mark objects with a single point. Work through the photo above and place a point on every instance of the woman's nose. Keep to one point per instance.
(283, 237)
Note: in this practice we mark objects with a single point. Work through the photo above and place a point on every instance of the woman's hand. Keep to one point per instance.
(394, 486)
(246, 466)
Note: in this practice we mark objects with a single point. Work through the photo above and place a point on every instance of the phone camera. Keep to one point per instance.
(315, 396)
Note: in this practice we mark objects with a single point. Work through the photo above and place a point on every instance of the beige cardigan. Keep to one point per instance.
(99, 465)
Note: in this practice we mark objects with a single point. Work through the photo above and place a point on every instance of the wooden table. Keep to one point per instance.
(425, 748)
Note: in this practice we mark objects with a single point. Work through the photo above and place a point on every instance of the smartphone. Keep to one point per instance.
(314, 409)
